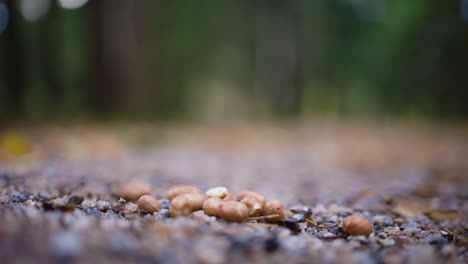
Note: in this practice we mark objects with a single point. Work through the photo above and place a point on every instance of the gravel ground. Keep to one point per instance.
(57, 201)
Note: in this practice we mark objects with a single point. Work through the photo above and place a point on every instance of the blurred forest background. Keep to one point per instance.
(233, 59)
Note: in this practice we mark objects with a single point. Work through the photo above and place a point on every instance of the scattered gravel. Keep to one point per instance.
(67, 211)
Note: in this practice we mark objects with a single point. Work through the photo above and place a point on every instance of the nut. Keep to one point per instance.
(148, 203)
(133, 191)
(357, 225)
(274, 207)
(254, 201)
(177, 190)
(211, 206)
(219, 192)
(233, 211)
(184, 204)
(254, 205)
(244, 194)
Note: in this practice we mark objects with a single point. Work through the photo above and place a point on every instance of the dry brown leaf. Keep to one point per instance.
(411, 208)
(445, 215)
(368, 193)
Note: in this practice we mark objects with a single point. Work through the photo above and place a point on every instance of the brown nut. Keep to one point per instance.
(274, 207)
(244, 194)
(357, 225)
(254, 201)
(133, 191)
(233, 211)
(177, 190)
(211, 206)
(254, 205)
(148, 203)
(184, 204)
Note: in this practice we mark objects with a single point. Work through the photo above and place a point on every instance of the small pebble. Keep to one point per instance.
(399, 221)
(358, 238)
(164, 203)
(92, 212)
(299, 217)
(383, 235)
(162, 214)
(332, 219)
(328, 235)
(411, 230)
(306, 211)
(103, 205)
(344, 214)
(387, 242)
(75, 200)
(435, 239)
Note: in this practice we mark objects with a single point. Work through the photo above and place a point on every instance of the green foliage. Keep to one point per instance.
(359, 58)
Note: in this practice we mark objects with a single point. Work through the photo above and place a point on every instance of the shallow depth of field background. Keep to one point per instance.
(233, 60)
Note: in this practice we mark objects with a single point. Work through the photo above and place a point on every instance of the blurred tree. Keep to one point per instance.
(12, 65)
(172, 59)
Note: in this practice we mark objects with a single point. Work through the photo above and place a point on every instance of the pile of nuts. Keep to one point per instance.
(248, 205)
(220, 203)
(216, 201)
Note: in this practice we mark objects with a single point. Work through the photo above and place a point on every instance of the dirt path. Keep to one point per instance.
(409, 181)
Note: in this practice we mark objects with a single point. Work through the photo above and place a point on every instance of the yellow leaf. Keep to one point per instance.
(12, 143)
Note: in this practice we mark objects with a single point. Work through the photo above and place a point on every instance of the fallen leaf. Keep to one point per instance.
(411, 208)
(445, 215)
(14, 143)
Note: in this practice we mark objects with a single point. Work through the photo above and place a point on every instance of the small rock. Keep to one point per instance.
(298, 217)
(292, 224)
(19, 198)
(409, 224)
(306, 211)
(387, 242)
(335, 230)
(43, 196)
(164, 203)
(328, 235)
(411, 230)
(344, 214)
(382, 220)
(103, 205)
(383, 235)
(435, 239)
(162, 214)
(75, 200)
(92, 212)
(399, 221)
